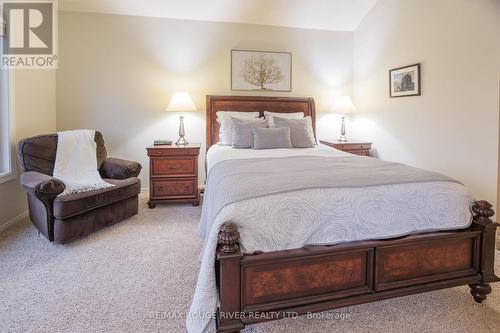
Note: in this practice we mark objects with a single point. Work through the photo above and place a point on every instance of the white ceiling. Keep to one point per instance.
(342, 15)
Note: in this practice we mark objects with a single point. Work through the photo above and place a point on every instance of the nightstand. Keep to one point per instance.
(173, 174)
(353, 147)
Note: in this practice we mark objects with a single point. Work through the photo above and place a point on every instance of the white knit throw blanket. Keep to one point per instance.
(76, 162)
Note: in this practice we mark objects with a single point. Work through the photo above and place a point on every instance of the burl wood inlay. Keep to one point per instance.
(413, 261)
(277, 281)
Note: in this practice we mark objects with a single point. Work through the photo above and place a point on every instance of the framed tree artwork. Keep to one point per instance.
(261, 70)
(404, 81)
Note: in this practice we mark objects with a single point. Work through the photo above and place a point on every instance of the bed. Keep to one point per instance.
(326, 240)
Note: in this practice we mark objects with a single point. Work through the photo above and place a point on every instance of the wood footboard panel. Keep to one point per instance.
(283, 279)
(283, 282)
(430, 260)
(272, 285)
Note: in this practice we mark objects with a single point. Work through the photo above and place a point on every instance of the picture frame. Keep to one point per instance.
(405, 81)
(245, 67)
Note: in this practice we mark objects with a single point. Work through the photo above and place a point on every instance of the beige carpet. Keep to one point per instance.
(127, 277)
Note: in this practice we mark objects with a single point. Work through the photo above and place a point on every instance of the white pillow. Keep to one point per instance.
(269, 116)
(293, 115)
(226, 129)
(236, 114)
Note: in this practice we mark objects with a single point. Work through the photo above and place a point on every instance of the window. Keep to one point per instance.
(7, 170)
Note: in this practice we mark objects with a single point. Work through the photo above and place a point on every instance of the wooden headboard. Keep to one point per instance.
(252, 104)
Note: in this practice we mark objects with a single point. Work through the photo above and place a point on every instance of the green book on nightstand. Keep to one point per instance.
(162, 142)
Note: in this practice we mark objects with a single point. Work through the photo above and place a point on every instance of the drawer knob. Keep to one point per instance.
(160, 188)
(174, 167)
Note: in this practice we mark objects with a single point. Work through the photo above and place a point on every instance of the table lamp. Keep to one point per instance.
(181, 102)
(343, 105)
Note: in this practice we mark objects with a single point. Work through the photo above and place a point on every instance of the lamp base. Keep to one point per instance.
(342, 138)
(181, 141)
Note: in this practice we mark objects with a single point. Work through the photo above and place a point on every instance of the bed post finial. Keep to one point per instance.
(229, 238)
(483, 211)
(228, 268)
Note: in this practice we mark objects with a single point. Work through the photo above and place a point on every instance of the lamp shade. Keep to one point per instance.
(181, 101)
(343, 104)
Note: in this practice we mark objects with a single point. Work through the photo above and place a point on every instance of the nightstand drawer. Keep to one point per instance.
(181, 167)
(157, 152)
(353, 146)
(358, 148)
(361, 152)
(175, 188)
(160, 152)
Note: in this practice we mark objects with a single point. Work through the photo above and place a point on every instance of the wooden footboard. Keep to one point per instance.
(273, 285)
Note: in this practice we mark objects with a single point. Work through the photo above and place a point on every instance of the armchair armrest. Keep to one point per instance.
(41, 184)
(42, 190)
(116, 168)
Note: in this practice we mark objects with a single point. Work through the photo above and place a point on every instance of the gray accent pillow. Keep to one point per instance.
(301, 133)
(226, 129)
(271, 138)
(242, 136)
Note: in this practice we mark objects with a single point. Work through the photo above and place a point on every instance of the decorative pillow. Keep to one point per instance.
(242, 132)
(236, 114)
(301, 132)
(293, 115)
(226, 129)
(270, 116)
(271, 138)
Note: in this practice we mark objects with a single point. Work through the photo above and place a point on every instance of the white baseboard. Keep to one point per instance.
(17, 219)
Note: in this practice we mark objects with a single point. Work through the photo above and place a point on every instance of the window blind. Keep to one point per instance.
(5, 149)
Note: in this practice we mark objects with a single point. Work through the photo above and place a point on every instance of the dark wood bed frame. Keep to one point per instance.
(280, 284)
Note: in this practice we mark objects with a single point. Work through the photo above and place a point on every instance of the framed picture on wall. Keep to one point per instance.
(261, 70)
(404, 81)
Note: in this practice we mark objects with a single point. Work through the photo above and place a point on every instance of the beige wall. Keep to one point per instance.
(35, 113)
(117, 73)
(453, 127)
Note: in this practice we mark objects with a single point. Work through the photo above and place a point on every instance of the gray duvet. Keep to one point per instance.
(231, 181)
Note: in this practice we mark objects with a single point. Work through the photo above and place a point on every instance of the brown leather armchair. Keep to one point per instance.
(65, 218)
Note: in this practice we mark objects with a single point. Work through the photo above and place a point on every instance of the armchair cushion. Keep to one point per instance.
(77, 203)
(41, 184)
(116, 168)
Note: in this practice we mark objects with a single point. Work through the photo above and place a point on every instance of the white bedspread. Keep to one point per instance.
(322, 216)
